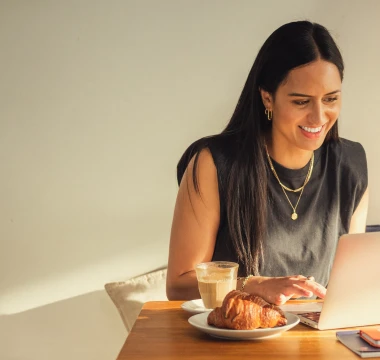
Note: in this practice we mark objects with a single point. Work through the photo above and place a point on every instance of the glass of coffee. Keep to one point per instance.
(215, 280)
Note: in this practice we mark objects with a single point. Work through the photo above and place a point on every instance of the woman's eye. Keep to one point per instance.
(300, 102)
(331, 99)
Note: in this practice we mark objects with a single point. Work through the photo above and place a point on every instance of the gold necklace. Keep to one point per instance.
(278, 179)
(283, 187)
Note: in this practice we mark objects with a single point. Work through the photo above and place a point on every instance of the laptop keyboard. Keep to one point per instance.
(314, 316)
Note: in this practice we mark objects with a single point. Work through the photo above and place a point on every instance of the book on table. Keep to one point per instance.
(372, 336)
(352, 340)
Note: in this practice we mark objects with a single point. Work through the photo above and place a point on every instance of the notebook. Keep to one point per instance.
(353, 293)
(355, 343)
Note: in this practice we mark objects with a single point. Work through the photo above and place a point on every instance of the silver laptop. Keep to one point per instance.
(353, 294)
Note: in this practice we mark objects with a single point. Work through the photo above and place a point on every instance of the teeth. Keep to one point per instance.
(312, 130)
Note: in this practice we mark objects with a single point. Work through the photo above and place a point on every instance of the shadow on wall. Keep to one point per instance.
(84, 327)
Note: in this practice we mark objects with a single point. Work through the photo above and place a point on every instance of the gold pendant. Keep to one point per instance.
(294, 216)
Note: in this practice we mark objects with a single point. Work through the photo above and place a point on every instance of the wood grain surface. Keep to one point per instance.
(163, 332)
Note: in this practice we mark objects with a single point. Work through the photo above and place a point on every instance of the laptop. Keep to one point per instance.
(353, 295)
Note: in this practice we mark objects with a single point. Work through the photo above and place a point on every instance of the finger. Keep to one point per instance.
(301, 278)
(301, 291)
(296, 277)
(316, 288)
(320, 291)
(296, 290)
(280, 299)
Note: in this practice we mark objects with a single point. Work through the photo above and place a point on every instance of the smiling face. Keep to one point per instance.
(305, 107)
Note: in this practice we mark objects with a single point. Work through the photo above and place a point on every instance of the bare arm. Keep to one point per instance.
(194, 228)
(359, 218)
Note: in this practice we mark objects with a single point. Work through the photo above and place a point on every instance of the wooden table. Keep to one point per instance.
(163, 332)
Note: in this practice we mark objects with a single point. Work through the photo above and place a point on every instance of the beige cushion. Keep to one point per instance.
(129, 296)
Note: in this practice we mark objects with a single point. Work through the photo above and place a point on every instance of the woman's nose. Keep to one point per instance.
(318, 115)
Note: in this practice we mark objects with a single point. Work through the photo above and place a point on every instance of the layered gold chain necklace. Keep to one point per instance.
(285, 188)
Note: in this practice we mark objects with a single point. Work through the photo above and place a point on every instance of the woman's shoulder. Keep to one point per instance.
(224, 150)
(347, 150)
(220, 149)
(349, 158)
(223, 147)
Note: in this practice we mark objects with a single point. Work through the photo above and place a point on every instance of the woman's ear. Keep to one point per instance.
(267, 99)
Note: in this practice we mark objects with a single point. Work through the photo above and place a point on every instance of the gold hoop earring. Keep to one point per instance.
(269, 114)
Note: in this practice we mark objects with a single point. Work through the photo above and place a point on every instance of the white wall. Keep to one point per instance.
(357, 29)
(98, 101)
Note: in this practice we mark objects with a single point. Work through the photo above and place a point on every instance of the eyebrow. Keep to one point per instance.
(305, 95)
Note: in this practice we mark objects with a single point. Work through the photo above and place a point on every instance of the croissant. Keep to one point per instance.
(243, 311)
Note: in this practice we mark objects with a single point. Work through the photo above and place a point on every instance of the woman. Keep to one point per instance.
(276, 189)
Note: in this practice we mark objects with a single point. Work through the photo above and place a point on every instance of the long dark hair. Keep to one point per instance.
(292, 45)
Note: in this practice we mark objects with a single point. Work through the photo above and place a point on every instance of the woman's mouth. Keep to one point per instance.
(311, 132)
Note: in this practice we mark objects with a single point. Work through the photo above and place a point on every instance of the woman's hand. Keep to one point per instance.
(278, 290)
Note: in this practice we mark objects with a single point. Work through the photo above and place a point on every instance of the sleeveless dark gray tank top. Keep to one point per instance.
(307, 245)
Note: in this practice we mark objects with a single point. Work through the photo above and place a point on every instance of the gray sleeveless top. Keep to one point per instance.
(307, 245)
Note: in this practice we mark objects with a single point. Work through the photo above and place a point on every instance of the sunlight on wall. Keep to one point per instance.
(56, 287)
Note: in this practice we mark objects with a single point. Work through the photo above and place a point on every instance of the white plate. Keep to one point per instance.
(200, 322)
(194, 306)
